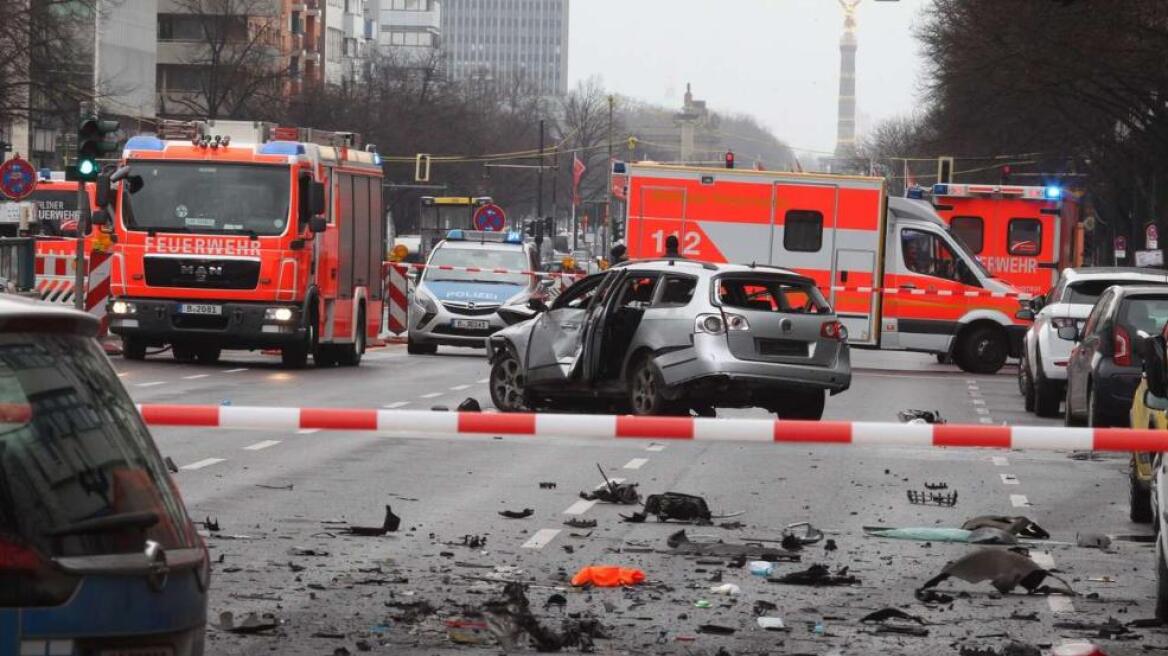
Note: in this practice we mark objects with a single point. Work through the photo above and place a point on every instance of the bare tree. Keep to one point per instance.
(234, 56)
(582, 128)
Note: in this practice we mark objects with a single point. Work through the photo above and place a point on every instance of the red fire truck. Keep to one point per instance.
(233, 239)
(894, 274)
(1022, 235)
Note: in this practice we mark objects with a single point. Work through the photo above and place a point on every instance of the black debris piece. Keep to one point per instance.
(680, 544)
(622, 493)
(936, 486)
(762, 607)
(517, 514)
(439, 408)
(800, 534)
(474, 541)
(210, 524)
(576, 522)
(1108, 630)
(922, 416)
(1025, 617)
(674, 506)
(830, 545)
(885, 614)
(1004, 569)
(732, 526)
(903, 629)
(933, 597)
(389, 525)
(791, 543)
(1085, 455)
(1147, 623)
(511, 617)
(412, 612)
(1022, 527)
(817, 576)
(305, 551)
(569, 548)
(170, 466)
(932, 498)
(556, 599)
(991, 535)
(737, 562)
(1011, 649)
(547, 485)
(470, 404)
(716, 629)
(289, 487)
(251, 624)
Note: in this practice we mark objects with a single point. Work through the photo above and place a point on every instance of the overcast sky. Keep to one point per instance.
(777, 60)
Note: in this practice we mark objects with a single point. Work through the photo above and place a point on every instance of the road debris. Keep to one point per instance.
(469, 404)
(936, 486)
(252, 624)
(608, 576)
(306, 551)
(576, 522)
(1093, 541)
(680, 544)
(801, 533)
(1109, 630)
(771, 624)
(389, 525)
(1010, 649)
(728, 589)
(547, 485)
(920, 416)
(511, 617)
(170, 466)
(612, 492)
(210, 524)
(289, 487)
(674, 506)
(1003, 569)
(926, 498)
(517, 514)
(818, 576)
(761, 568)
(830, 545)
(716, 629)
(1022, 527)
(463, 631)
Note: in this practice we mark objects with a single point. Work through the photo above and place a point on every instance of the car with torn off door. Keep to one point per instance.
(672, 336)
(97, 553)
(1042, 374)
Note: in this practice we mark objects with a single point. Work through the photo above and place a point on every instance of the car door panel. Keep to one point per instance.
(554, 347)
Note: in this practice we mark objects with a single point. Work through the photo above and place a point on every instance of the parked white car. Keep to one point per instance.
(1042, 376)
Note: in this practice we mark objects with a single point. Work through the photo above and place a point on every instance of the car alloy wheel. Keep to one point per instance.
(645, 390)
(506, 385)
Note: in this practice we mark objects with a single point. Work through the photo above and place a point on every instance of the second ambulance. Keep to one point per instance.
(893, 272)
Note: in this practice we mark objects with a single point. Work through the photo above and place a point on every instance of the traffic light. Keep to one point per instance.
(94, 142)
(618, 229)
(549, 226)
(729, 159)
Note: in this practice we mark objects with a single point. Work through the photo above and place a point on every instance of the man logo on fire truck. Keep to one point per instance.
(895, 275)
(240, 241)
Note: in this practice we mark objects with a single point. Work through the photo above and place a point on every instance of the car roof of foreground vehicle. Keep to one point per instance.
(23, 315)
(1141, 290)
(1117, 273)
(665, 263)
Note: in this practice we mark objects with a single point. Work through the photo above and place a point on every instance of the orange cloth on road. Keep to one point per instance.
(608, 576)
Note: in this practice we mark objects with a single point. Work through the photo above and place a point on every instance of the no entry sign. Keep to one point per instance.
(490, 217)
(18, 178)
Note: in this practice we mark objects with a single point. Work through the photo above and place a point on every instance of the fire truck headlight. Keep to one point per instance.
(278, 314)
(122, 308)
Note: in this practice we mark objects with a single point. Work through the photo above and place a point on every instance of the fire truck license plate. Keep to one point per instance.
(472, 324)
(200, 308)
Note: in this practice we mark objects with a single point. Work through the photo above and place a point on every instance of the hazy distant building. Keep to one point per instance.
(408, 30)
(507, 40)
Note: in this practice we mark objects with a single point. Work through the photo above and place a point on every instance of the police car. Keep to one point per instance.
(460, 291)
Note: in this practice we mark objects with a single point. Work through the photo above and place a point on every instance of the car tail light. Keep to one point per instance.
(1122, 347)
(834, 330)
(29, 579)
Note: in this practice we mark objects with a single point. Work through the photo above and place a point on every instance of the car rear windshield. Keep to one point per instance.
(1146, 313)
(79, 473)
(1086, 292)
(770, 294)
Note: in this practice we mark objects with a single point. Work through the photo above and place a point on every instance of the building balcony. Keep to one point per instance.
(415, 19)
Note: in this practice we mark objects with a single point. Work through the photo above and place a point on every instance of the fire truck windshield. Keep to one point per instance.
(209, 197)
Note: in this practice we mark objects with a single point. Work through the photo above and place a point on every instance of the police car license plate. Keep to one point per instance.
(139, 651)
(472, 324)
(200, 308)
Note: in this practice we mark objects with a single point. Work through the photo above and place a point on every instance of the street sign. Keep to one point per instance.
(18, 178)
(1120, 246)
(490, 217)
(1152, 236)
(1150, 258)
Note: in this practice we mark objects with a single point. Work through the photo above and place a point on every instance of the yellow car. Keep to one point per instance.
(1148, 411)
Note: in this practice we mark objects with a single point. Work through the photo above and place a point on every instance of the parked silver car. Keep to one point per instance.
(670, 336)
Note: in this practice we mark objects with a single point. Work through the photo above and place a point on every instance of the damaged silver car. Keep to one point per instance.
(674, 336)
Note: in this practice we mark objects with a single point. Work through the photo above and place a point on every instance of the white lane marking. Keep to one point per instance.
(202, 463)
(1058, 603)
(261, 445)
(196, 376)
(395, 405)
(986, 420)
(1009, 479)
(1000, 461)
(152, 384)
(981, 411)
(580, 507)
(235, 371)
(636, 463)
(975, 394)
(431, 395)
(483, 381)
(541, 538)
(1019, 500)
(655, 447)
(307, 431)
(978, 401)
(459, 388)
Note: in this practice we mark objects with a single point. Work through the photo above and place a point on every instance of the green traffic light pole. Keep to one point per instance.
(83, 219)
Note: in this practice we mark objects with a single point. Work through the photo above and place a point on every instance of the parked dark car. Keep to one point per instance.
(1105, 367)
(97, 553)
(671, 336)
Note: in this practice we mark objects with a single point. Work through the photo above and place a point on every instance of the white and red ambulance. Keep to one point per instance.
(894, 274)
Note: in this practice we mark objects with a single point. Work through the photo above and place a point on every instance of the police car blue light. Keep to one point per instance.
(282, 148)
(1052, 193)
(145, 142)
(456, 235)
(940, 189)
(514, 238)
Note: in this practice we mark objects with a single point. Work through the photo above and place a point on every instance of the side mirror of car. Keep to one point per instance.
(537, 305)
(1025, 315)
(1069, 333)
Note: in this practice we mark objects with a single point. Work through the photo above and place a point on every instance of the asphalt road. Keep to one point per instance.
(275, 494)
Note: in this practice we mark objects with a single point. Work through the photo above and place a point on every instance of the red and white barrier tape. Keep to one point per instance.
(902, 291)
(430, 424)
(511, 272)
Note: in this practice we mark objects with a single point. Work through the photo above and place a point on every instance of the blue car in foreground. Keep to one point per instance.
(97, 554)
